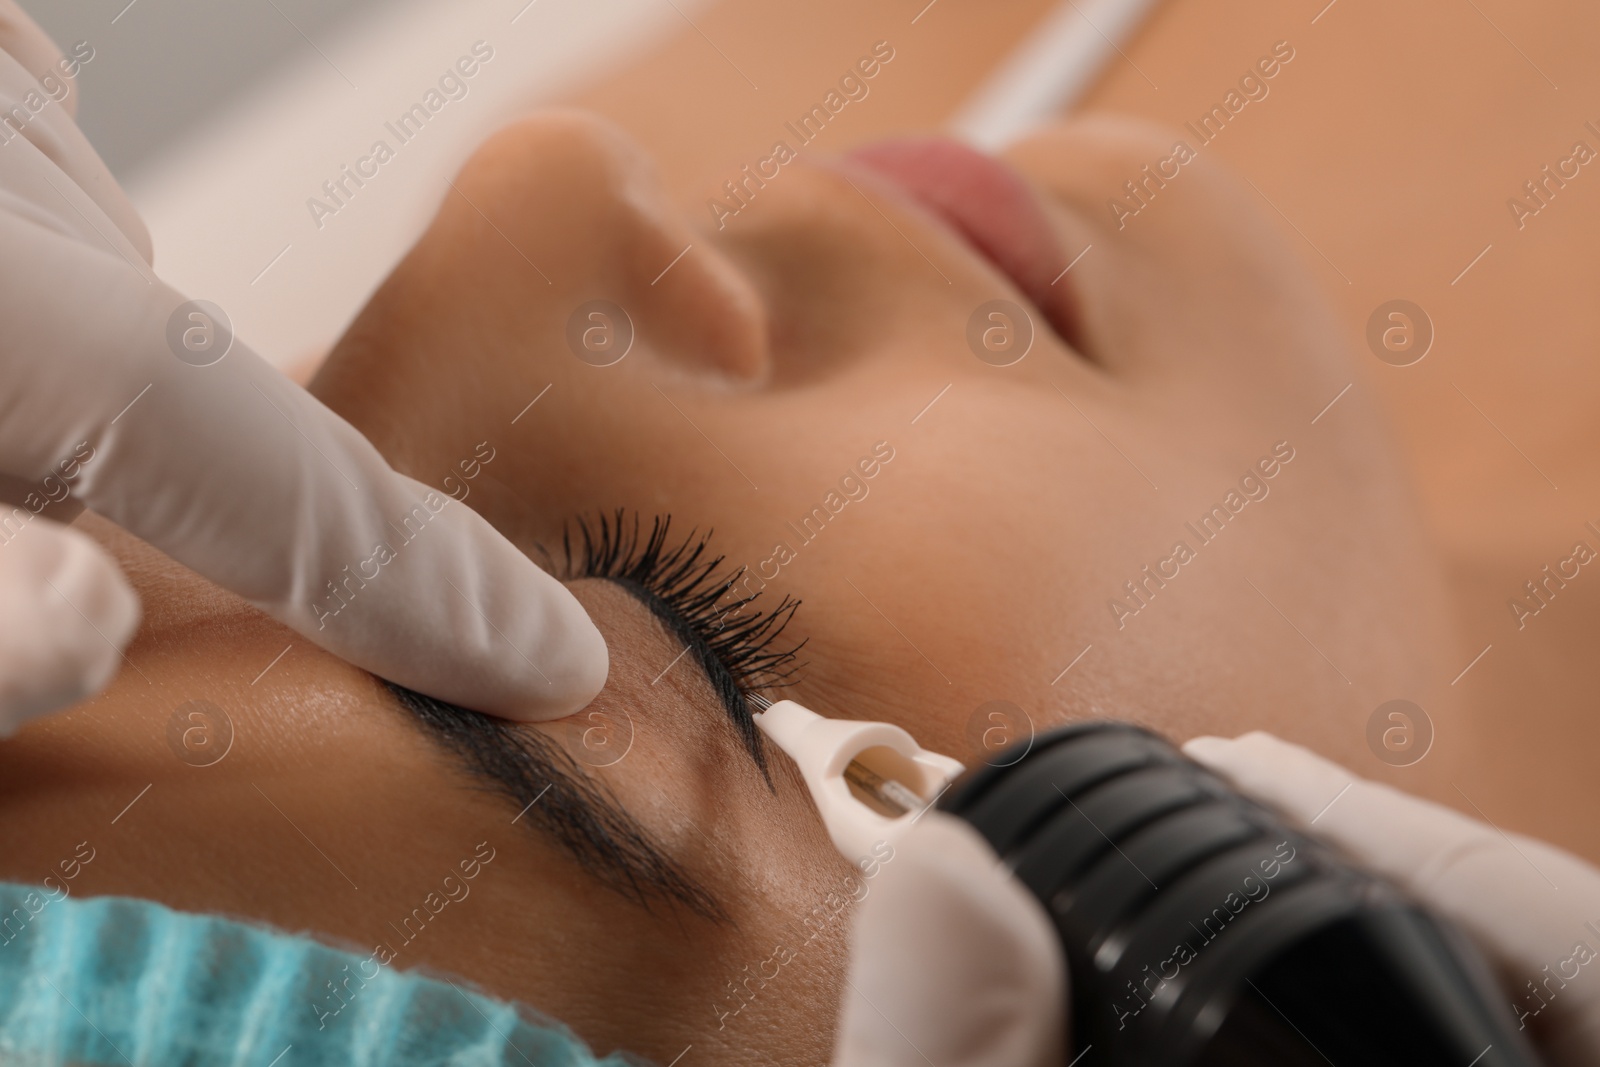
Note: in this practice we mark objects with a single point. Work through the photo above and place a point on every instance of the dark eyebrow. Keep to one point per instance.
(578, 813)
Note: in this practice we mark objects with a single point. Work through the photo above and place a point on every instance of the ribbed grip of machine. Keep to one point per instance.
(1201, 929)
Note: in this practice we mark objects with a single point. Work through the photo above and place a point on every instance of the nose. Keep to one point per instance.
(565, 209)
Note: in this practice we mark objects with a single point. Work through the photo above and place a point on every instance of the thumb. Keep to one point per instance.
(68, 611)
(952, 962)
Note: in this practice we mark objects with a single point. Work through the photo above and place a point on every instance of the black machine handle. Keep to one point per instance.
(1201, 929)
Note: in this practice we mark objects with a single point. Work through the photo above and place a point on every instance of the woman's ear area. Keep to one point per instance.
(549, 214)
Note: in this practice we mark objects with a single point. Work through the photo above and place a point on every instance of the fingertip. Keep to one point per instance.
(1255, 748)
(1223, 755)
(82, 611)
(97, 587)
(588, 667)
(572, 666)
(1206, 747)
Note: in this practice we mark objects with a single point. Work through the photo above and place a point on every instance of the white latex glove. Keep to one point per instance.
(1528, 904)
(229, 468)
(952, 961)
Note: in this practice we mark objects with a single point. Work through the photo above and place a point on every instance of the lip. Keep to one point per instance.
(991, 206)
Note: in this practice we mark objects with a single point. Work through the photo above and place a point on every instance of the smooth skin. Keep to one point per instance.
(978, 566)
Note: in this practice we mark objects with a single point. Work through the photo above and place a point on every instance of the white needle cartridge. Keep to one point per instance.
(869, 780)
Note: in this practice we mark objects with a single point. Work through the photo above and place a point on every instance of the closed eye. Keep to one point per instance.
(739, 648)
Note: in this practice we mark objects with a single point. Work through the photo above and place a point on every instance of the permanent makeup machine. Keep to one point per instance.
(1200, 928)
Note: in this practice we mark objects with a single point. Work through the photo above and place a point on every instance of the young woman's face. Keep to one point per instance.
(959, 531)
(1153, 513)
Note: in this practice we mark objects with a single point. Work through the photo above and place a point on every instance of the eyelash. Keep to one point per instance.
(739, 649)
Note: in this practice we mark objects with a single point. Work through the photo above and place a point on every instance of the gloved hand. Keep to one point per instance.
(226, 466)
(1533, 908)
(952, 961)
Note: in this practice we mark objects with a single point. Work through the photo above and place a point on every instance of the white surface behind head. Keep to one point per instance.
(231, 199)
